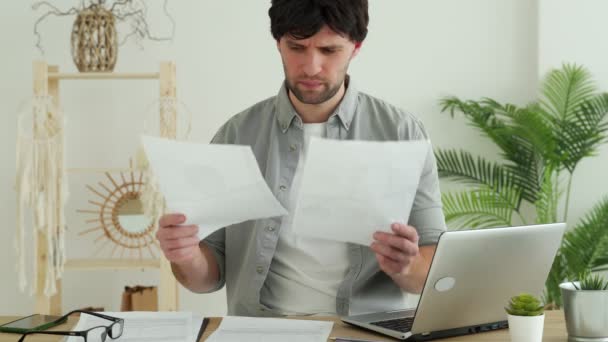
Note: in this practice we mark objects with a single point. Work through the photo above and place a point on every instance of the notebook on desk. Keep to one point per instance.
(473, 275)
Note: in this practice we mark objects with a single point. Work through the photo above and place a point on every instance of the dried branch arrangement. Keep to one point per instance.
(94, 38)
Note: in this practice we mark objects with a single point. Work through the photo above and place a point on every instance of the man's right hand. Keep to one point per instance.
(179, 243)
(193, 265)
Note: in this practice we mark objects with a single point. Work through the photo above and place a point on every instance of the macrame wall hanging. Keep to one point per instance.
(41, 187)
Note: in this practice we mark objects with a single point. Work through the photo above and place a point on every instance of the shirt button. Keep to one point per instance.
(270, 228)
(259, 269)
(292, 148)
(283, 188)
(284, 127)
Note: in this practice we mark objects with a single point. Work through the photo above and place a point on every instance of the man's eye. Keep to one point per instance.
(328, 51)
(296, 48)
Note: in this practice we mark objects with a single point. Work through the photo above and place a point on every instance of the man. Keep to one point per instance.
(267, 269)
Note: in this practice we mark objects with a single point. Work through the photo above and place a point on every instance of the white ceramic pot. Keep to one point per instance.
(526, 328)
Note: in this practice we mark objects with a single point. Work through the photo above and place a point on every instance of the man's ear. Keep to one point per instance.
(357, 49)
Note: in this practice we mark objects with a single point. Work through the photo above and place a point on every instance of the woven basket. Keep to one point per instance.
(94, 41)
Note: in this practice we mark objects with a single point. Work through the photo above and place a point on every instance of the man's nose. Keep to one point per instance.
(312, 64)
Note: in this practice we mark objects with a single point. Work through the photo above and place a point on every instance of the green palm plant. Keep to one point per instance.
(541, 146)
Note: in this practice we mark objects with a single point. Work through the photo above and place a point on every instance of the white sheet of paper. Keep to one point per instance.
(350, 189)
(147, 326)
(250, 329)
(213, 185)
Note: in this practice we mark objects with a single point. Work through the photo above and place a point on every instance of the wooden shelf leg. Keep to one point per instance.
(167, 289)
(44, 304)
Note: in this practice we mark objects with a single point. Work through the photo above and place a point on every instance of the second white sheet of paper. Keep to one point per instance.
(350, 189)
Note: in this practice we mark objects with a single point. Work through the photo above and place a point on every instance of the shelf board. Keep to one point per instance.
(103, 76)
(101, 170)
(110, 264)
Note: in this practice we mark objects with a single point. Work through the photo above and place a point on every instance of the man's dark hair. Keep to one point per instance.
(302, 19)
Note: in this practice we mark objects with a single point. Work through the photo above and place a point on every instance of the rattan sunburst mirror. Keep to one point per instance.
(118, 216)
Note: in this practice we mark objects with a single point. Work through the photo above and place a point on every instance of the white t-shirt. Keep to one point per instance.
(305, 273)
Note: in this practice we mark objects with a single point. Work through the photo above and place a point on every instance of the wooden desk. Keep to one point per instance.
(555, 331)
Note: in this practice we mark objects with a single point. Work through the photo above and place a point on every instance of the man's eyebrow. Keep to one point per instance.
(328, 46)
(332, 46)
(294, 42)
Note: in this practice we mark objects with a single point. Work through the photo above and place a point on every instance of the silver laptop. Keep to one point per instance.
(473, 275)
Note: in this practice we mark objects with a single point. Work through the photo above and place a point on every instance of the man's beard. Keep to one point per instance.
(314, 98)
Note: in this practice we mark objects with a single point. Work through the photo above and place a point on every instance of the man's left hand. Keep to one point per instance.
(396, 251)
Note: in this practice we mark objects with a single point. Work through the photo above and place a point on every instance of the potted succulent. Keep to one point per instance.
(586, 308)
(526, 318)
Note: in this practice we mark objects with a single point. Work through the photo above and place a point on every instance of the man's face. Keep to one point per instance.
(315, 67)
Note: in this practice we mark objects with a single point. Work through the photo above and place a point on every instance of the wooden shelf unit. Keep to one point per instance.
(46, 80)
(104, 76)
(111, 264)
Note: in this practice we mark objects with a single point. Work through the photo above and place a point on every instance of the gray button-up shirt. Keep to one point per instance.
(274, 131)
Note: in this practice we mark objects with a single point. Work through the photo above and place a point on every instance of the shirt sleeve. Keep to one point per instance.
(427, 211)
(217, 245)
(217, 240)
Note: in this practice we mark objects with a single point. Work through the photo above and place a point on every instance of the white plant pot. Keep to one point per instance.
(526, 328)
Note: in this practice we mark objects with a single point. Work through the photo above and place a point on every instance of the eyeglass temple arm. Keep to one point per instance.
(64, 333)
(113, 319)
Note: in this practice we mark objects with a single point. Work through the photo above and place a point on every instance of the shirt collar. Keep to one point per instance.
(345, 110)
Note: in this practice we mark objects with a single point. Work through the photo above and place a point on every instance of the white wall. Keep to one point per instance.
(575, 31)
(416, 52)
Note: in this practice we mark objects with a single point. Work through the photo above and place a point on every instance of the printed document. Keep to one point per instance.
(250, 329)
(350, 189)
(213, 185)
(146, 326)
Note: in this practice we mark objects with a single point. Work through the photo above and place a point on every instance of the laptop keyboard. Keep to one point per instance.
(399, 324)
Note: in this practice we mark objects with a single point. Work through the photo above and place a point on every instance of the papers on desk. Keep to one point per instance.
(213, 185)
(238, 329)
(147, 326)
(350, 189)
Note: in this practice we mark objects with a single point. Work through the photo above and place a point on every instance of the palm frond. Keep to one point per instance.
(496, 122)
(527, 175)
(480, 116)
(537, 131)
(582, 134)
(547, 202)
(461, 165)
(480, 208)
(586, 246)
(563, 90)
(531, 149)
(505, 111)
(557, 275)
(528, 133)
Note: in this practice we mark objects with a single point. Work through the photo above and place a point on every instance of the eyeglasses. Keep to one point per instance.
(94, 334)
